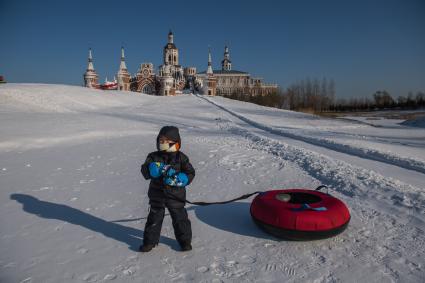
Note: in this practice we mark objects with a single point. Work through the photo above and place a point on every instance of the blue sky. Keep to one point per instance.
(363, 45)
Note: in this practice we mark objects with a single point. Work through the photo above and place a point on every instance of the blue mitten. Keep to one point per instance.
(181, 179)
(177, 180)
(169, 172)
(155, 169)
(169, 181)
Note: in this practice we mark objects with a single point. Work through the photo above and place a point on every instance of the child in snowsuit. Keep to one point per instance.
(170, 172)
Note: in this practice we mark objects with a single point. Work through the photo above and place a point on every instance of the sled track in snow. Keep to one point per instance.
(353, 182)
(405, 163)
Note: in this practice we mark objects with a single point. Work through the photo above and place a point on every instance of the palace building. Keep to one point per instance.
(173, 79)
(237, 82)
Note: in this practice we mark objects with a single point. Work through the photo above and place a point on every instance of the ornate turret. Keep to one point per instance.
(123, 75)
(171, 53)
(210, 81)
(226, 64)
(170, 37)
(90, 76)
(166, 82)
(209, 70)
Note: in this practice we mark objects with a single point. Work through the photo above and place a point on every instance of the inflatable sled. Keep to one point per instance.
(299, 214)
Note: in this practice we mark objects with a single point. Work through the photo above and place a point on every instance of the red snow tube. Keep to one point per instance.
(299, 214)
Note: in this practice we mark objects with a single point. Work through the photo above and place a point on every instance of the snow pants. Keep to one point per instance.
(181, 225)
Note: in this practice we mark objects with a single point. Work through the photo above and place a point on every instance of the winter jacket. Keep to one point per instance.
(157, 195)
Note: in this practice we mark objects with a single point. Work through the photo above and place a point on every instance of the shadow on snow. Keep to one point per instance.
(128, 235)
(232, 217)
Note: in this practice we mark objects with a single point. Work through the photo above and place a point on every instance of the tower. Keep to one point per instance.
(171, 53)
(226, 64)
(209, 70)
(166, 82)
(171, 77)
(123, 75)
(90, 76)
(210, 81)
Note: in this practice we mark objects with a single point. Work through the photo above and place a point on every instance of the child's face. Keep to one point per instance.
(163, 140)
(168, 145)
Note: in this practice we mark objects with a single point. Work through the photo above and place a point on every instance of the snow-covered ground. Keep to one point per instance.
(73, 203)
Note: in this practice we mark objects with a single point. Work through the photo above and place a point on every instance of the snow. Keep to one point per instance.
(73, 203)
(418, 122)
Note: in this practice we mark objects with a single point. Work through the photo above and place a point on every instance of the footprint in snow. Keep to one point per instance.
(321, 259)
(288, 270)
(172, 271)
(132, 258)
(83, 251)
(130, 270)
(241, 272)
(91, 277)
(109, 277)
(118, 268)
(270, 267)
(247, 259)
(202, 269)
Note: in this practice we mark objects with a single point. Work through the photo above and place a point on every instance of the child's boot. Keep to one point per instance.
(146, 248)
(186, 247)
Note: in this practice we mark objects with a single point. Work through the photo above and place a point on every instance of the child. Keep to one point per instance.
(170, 172)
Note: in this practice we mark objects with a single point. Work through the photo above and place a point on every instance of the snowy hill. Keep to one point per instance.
(73, 203)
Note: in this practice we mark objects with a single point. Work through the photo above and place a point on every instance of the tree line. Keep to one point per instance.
(380, 100)
(308, 95)
(315, 96)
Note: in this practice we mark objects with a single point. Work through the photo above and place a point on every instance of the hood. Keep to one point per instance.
(171, 133)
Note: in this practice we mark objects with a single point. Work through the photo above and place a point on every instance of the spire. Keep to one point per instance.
(123, 76)
(226, 64)
(209, 70)
(90, 76)
(226, 52)
(122, 65)
(170, 37)
(90, 66)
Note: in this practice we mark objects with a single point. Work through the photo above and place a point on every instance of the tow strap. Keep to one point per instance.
(203, 203)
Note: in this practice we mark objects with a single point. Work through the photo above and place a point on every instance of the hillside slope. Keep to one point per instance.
(73, 203)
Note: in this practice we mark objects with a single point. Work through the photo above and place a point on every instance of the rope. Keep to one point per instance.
(322, 187)
(203, 203)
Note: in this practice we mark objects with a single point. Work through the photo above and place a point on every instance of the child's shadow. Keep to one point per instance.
(130, 236)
